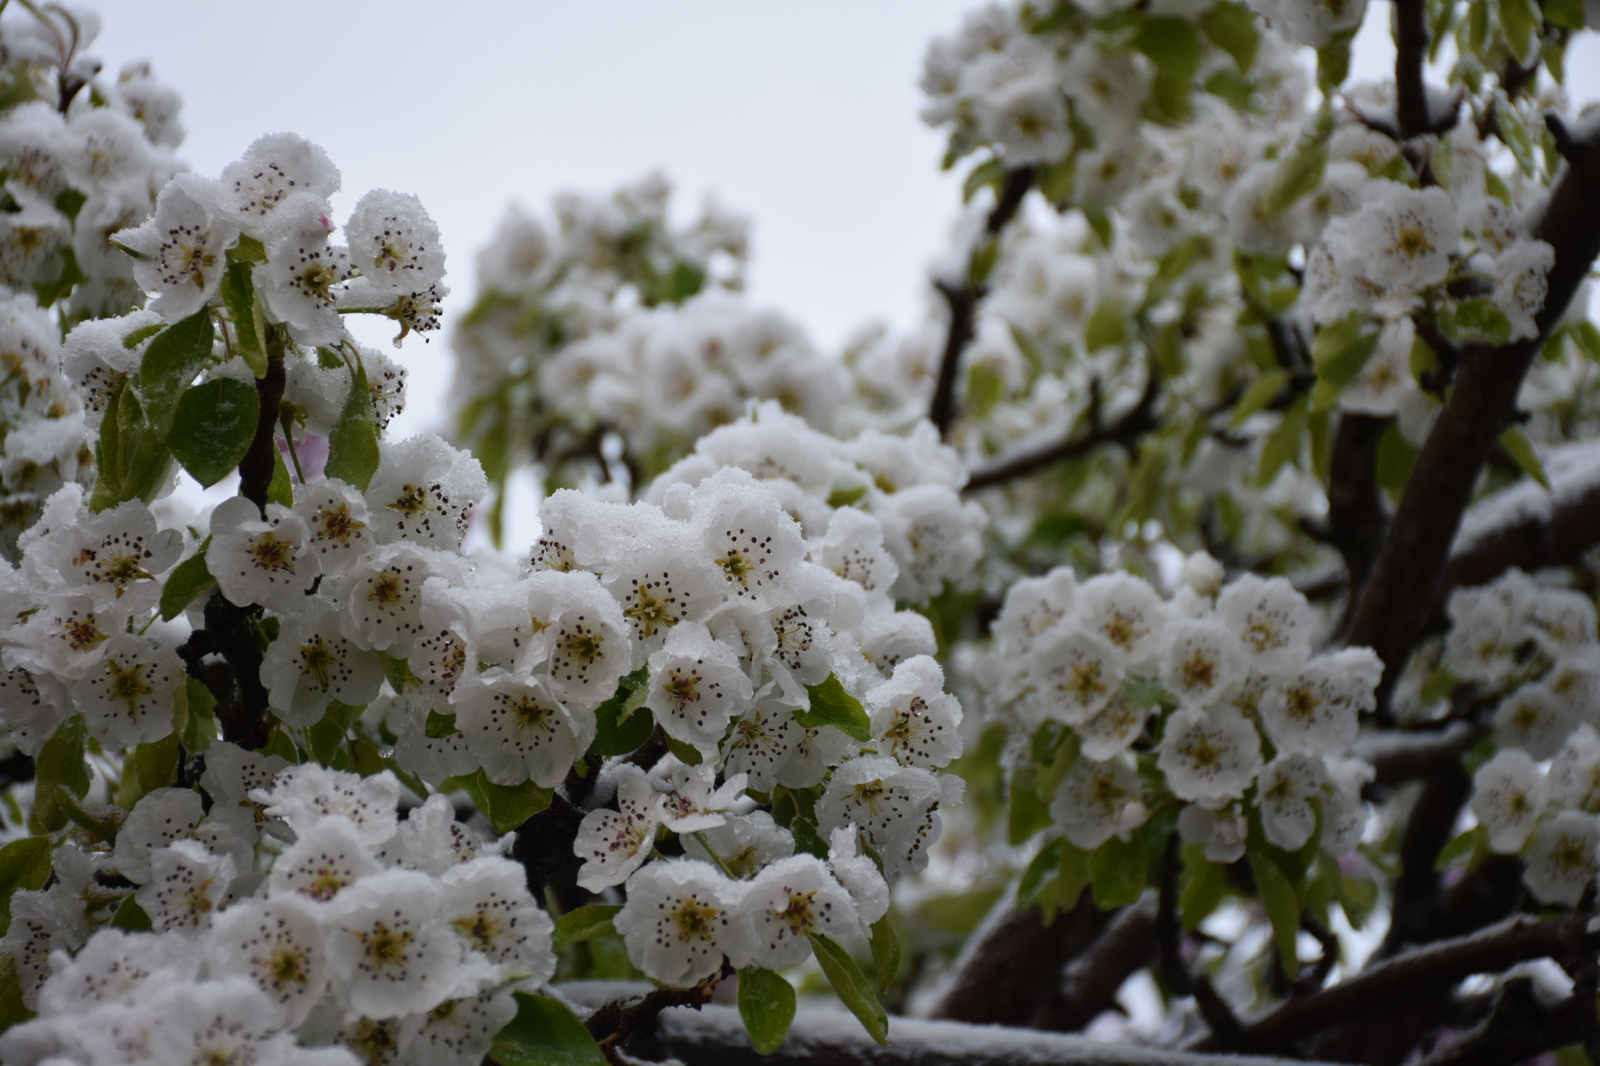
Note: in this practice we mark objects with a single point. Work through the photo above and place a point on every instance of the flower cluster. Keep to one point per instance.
(1531, 652)
(81, 157)
(1211, 702)
(593, 269)
(270, 210)
(299, 923)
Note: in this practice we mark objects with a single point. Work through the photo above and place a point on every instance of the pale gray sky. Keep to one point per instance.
(803, 115)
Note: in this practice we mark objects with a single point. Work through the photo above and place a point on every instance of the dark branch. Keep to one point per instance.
(1436, 966)
(1559, 538)
(259, 462)
(1226, 1031)
(1125, 432)
(1357, 517)
(963, 301)
(714, 1036)
(1009, 976)
(621, 1021)
(1401, 756)
(1411, 55)
(1089, 985)
(1398, 600)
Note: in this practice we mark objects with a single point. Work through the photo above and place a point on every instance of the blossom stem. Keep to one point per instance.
(723, 866)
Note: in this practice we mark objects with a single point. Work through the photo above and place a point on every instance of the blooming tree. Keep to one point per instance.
(1200, 597)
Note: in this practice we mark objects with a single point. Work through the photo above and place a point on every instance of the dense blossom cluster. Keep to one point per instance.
(577, 333)
(357, 936)
(82, 157)
(1212, 700)
(1530, 651)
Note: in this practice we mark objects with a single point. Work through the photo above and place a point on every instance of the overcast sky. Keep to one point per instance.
(803, 115)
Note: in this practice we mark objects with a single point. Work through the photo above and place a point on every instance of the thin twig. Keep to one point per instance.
(1125, 432)
(963, 301)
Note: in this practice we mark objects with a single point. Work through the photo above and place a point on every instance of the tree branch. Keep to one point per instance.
(963, 301)
(1357, 517)
(1540, 527)
(1089, 985)
(1125, 431)
(1011, 973)
(1411, 54)
(1395, 981)
(1398, 599)
(1226, 1031)
(713, 1036)
(1401, 756)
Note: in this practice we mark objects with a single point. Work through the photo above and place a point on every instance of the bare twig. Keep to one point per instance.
(1124, 432)
(619, 1022)
(963, 301)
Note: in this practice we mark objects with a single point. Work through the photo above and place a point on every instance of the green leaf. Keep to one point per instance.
(25, 864)
(1043, 867)
(852, 986)
(991, 172)
(12, 1010)
(1516, 442)
(847, 497)
(1467, 848)
(545, 1033)
(1233, 28)
(832, 705)
(281, 489)
(766, 1003)
(806, 838)
(585, 923)
(249, 334)
(148, 767)
(174, 357)
(1520, 23)
(506, 806)
(1333, 62)
(353, 444)
(396, 670)
(130, 916)
(1396, 458)
(248, 250)
(327, 736)
(212, 428)
(48, 292)
(614, 739)
(1283, 445)
(1283, 909)
(1300, 174)
(687, 754)
(1479, 319)
(441, 725)
(885, 952)
(620, 730)
(1026, 813)
(60, 762)
(984, 257)
(199, 727)
(1514, 133)
(1108, 326)
(1567, 14)
(1062, 891)
(1341, 348)
(1120, 869)
(1201, 886)
(188, 581)
(1263, 391)
(142, 334)
(1173, 45)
